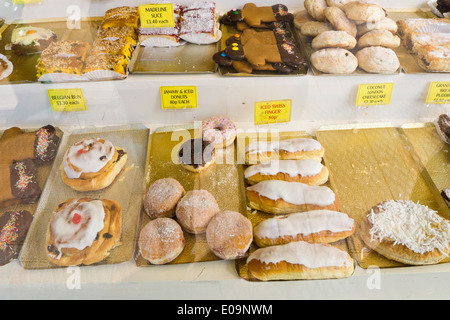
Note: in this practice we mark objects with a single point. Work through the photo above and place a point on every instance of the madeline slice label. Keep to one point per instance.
(374, 94)
(439, 93)
(157, 15)
(268, 112)
(67, 100)
(179, 97)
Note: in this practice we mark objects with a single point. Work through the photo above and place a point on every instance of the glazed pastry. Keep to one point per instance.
(334, 61)
(219, 131)
(307, 171)
(13, 230)
(334, 39)
(196, 155)
(446, 195)
(406, 232)
(92, 164)
(378, 60)
(195, 210)
(229, 235)
(320, 226)
(443, 127)
(300, 261)
(161, 241)
(282, 197)
(289, 149)
(30, 40)
(83, 231)
(162, 197)
(6, 67)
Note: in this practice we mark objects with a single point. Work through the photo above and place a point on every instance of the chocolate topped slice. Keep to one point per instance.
(196, 152)
(443, 126)
(13, 230)
(443, 6)
(281, 13)
(24, 184)
(231, 17)
(46, 144)
(446, 195)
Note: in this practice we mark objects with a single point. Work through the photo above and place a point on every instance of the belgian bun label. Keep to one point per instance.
(67, 100)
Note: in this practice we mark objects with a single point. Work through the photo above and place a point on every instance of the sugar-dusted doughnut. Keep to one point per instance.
(196, 155)
(195, 210)
(334, 61)
(282, 197)
(378, 60)
(13, 230)
(229, 235)
(307, 171)
(162, 197)
(289, 149)
(161, 241)
(83, 231)
(319, 226)
(406, 232)
(92, 164)
(300, 261)
(219, 131)
(334, 39)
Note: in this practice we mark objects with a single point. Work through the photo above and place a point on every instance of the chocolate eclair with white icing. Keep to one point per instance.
(92, 164)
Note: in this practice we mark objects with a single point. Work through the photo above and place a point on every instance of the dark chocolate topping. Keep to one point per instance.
(231, 17)
(281, 13)
(13, 230)
(443, 6)
(444, 125)
(196, 152)
(222, 59)
(23, 179)
(46, 144)
(235, 51)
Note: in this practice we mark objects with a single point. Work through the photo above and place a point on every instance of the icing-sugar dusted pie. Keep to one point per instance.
(406, 232)
(83, 231)
(282, 197)
(300, 261)
(92, 164)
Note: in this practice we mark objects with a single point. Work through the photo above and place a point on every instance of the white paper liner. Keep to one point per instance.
(61, 77)
(161, 42)
(6, 73)
(104, 75)
(433, 6)
(202, 38)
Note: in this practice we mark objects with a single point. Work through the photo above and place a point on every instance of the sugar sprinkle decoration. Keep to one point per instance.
(42, 142)
(9, 232)
(24, 180)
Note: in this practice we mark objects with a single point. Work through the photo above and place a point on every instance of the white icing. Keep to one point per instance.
(68, 234)
(87, 156)
(304, 223)
(304, 168)
(28, 35)
(310, 255)
(291, 145)
(295, 192)
(413, 225)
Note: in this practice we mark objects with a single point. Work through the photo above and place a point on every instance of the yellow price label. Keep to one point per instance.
(374, 94)
(439, 93)
(25, 1)
(157, 15)
(179, 97)
(278, 111)
(67, 100)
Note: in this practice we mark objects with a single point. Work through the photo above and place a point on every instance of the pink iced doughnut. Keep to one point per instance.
(219, 131)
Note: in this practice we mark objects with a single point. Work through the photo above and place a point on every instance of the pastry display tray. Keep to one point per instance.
(229, 31)
(371, 165)
(408, 63)
(25, 65)
(126, 189)
(256, 216)
(185, 59)
(224, 180)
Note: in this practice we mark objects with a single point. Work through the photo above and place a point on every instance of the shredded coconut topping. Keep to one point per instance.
(413, 225)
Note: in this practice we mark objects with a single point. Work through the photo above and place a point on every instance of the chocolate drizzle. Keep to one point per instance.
(196, 152)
